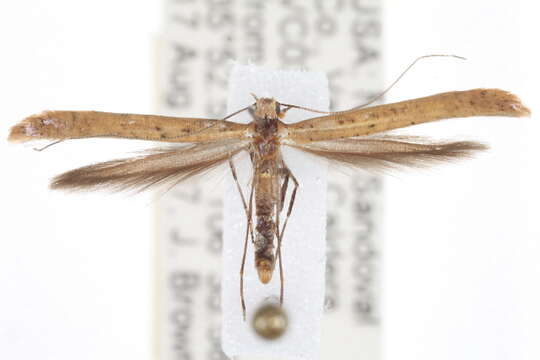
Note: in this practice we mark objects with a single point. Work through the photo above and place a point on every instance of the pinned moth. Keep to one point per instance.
(354, 137)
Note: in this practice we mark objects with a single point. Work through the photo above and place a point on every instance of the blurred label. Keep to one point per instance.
(342, 38)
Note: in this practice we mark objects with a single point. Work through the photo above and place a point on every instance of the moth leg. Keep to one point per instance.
(283, 191)
(235, 177)
(280, 233)
(291, 201)
(283, 172)
(49, 145)
(277, 211)
(242, 267)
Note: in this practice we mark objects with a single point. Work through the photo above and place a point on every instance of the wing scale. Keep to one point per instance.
(375, 119)
(61, 125)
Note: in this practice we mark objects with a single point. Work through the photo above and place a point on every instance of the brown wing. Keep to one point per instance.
(375, 119)
(390, 152)
(160, 167)
(60, 125)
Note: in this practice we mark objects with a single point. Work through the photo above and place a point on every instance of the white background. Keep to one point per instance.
(462, 244)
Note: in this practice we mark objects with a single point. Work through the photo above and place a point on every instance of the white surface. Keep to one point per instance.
(462, 242)
(75, 270)
(303, 248)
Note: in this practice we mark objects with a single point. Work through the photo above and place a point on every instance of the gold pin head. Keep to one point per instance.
(270, 321)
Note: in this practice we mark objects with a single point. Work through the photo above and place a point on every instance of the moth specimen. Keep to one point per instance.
(354, 137)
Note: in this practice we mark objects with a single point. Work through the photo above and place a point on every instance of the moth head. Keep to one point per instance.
(266, 108)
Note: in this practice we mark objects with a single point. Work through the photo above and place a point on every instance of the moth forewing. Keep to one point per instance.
(376, 119)
(62, 125)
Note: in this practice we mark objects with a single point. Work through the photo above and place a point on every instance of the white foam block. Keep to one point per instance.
(303, 246)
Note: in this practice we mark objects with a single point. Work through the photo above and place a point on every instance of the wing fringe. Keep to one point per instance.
(392, 153)
(143, 172)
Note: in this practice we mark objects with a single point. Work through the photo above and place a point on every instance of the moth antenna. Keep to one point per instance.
(49, 145)
(236, 113)
(254, 96)
(382, 93)
(403, 74)
(216, 123)
(290, 106)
